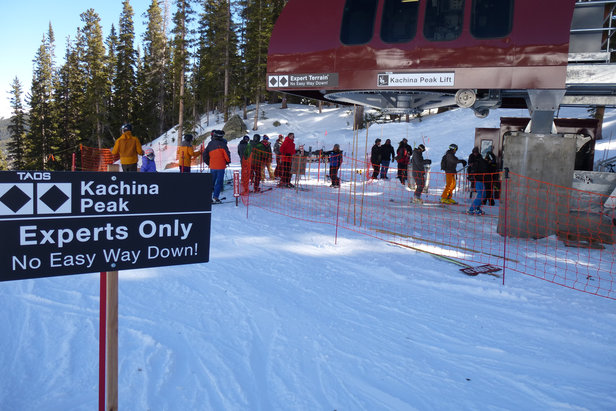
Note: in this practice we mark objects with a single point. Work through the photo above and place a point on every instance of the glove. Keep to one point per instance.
(463, 163)
(428, 161)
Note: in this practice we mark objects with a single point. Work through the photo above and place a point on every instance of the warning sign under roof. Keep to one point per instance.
(308, 80)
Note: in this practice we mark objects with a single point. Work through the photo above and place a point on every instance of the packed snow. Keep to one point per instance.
(286, 317)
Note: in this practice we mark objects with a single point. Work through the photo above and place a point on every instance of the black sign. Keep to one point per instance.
(59, 223)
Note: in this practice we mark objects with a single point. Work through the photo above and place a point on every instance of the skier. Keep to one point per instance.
(278, 169)
(147, 161)
(335, 161)
(480, 167)
(375, 158)
(267, 165)
(491, 180)
(403, 156)
(419, 171)
(471, 170)
(245, 163)
(217, 157)
(387, 153)
(261, 154)
(128, 147)
(449, 164)
(185, 153)
(287, 151)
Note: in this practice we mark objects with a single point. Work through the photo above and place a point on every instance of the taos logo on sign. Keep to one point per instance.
(444, 79)
(71, 223)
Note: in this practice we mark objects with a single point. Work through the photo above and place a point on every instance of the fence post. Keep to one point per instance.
(337, 214)
(505, 224)
(102, 339)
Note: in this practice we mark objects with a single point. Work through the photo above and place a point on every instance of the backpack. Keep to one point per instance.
(444, 162)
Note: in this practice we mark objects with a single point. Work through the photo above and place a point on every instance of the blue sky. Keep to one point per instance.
(23, 24)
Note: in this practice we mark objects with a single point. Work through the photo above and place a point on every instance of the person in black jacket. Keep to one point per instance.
(419, 171)
(449, 164)
(471, 170)
(403, 156)
(480, 167)
(491, 181)
(387, 154)
(375, 158)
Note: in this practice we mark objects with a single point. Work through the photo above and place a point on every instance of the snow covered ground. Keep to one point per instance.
(284, 318)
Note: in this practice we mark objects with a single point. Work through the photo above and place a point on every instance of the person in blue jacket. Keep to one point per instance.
(147, 161)
(335, 161)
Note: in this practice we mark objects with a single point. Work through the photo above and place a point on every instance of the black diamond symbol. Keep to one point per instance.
(54, 198)
(283, 81)
(273, 81)
(15, 199)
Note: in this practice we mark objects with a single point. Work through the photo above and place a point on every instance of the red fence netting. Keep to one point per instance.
(557, 234)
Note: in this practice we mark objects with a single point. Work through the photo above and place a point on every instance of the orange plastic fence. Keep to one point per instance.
(166, 156)
(96, 159)
(559, 235)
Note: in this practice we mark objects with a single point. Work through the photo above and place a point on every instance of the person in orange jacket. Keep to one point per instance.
(128, 147)
(185, 153)
(217, 157)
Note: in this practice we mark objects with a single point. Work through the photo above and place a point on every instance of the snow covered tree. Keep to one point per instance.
(17, 127)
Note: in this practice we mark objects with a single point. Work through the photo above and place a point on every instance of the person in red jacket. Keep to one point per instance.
(216, 155)
(287, 150)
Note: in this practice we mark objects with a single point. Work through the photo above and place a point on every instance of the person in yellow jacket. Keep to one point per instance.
(185, 153)
(128, 147)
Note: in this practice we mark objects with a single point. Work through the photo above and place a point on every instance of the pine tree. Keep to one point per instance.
(180, 54)
(260, 16)
(41, 137)
(96, 92)
(17, 128)
(69, 98)
(153, 80)
(216, 79)
(112, 123)
(124, 81)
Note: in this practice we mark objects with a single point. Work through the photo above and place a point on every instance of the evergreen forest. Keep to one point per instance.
(194, 57)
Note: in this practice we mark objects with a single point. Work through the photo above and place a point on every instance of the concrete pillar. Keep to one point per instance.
(535, 204)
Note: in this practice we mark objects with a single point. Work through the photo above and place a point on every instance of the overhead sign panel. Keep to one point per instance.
(307, 80)
(59, 223)
(427, 79)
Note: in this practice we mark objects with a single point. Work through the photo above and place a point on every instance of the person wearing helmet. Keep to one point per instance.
(185, 153)
(403, 156)
(375, 158)
(216, 155)
(335, 161)
(419, 172)
(449, 164)
(128, 147)
(245, 163)
(147, 161)
(287, 151)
